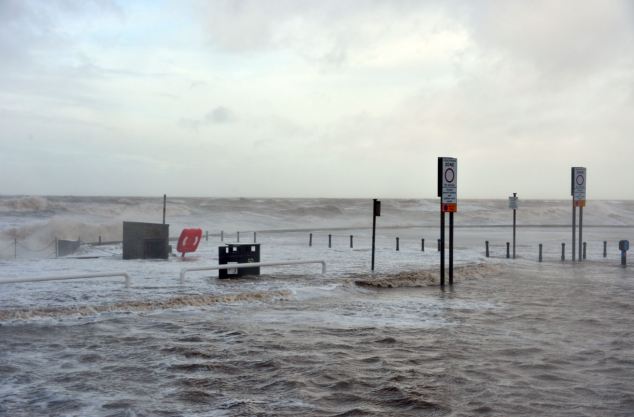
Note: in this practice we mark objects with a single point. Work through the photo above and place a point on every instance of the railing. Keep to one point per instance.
(249, 265)
(65, 277)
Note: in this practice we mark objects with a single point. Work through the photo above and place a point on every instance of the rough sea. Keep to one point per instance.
(512, 337)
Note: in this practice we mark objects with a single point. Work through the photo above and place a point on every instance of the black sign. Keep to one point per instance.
(377, 208)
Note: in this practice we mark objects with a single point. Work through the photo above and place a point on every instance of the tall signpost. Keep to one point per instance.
(513, 206)
(448, 193)
(376, 212)
(578, 179)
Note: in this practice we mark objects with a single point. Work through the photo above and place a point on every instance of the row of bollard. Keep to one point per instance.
(222, 236)
(623, 247)
(422, 248)
(398, 244)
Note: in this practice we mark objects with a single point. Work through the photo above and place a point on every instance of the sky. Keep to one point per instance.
(297, 98)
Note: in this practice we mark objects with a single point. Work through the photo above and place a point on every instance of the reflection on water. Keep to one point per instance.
(554, 340)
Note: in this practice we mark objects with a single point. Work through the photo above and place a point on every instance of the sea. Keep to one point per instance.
(512, 336)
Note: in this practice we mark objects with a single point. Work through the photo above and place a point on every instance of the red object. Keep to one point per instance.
(189, 240)
(449, 207)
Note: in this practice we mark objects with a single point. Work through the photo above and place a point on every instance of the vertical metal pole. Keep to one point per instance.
(486, 244)
(438, 245)
(623, 258)
(508, 251)
(100, 239)
(580, 231)
(255, 234)
(540, 252)
(222, 235)
(164, 206)
(584, 250)
(397, 244)
(330, 241)
(373, 232)
(207, 235)
(15, 247)
(422, 245)
(442, 248)
(451, 248)
(574, 230)
(514, 224)
(605, 249)
(310, 239)
(238, 236)
(351, 243)
(563, 251)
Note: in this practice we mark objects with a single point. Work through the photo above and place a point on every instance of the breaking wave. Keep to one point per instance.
(198, 300)
(36, 221)
(425, 278)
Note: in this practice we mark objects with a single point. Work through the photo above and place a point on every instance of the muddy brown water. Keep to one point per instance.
(523, 340)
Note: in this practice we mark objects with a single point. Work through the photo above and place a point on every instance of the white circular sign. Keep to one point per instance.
(450, 175)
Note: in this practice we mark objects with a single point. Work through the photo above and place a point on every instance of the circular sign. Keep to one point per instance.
(450, 175)
(580, 179)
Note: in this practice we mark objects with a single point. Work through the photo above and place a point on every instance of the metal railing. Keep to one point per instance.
(66, 277)
(249, 265)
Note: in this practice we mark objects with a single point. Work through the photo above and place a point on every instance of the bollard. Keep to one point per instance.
(310, 239)
(563, 252)
(351, 244)
(206, 235)
(330, 241)
(508, 250)
(222, 236)
(255, 237)
(438, 245)
(624, 246)
(422, 245)
(540, 252)
(584, 249)
(486, 243)
(397, 244)
(238, 236)
(605, 249)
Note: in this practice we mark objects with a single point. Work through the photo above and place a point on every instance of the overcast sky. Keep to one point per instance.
(315, 98)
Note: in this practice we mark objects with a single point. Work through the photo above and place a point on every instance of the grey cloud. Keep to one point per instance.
(553, 36)
(219, 115)
(562, 39)
(321, 32)
(27, 26)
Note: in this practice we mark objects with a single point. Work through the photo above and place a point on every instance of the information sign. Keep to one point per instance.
(578, 186)
(448, 184)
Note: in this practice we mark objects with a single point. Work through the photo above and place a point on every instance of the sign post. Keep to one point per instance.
(578, 179)
(448, 193)
(513, 206)
(164, 206)
(376, 212)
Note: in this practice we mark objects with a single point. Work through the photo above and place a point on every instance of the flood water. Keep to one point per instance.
(520, 339)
